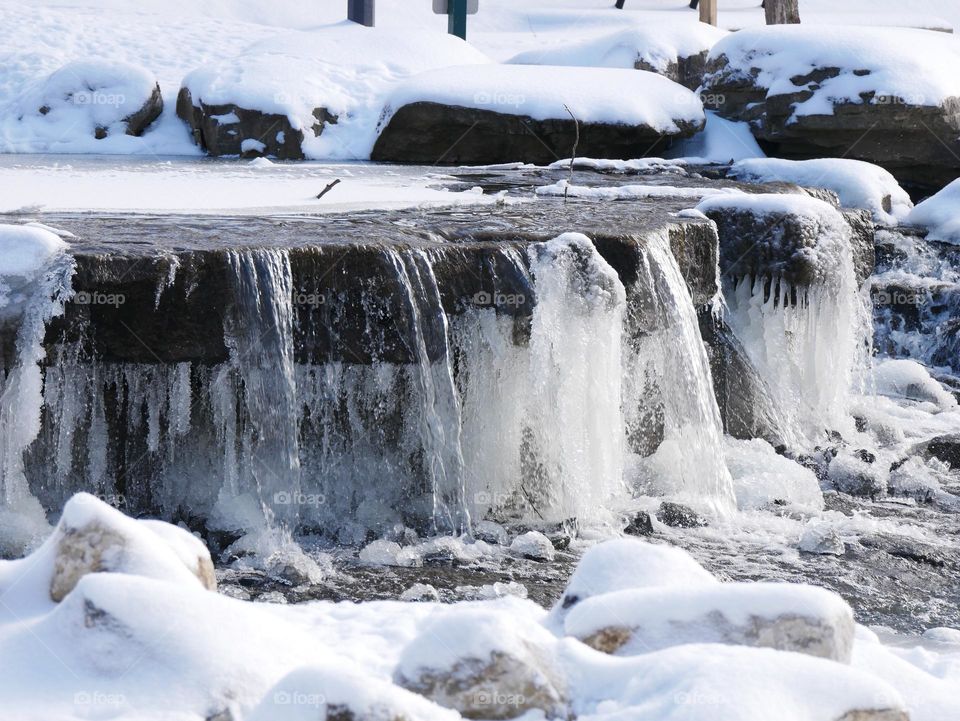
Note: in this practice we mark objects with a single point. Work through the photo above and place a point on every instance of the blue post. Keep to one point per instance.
(457, 19)
(362, 11)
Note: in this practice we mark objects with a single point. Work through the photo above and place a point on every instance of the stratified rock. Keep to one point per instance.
(460, 116)
(679, 516)
(232, 130)
(92, 537)
(785, 617)
(836, 106)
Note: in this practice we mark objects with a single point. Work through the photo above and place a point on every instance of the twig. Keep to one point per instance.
(573, 155)
(328, 188)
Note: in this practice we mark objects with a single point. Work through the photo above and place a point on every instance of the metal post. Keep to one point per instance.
(362, 11)
(708, 11)
(457, 18)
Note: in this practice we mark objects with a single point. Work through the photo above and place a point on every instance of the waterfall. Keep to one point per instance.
(667, 378)
(810, 343)
(40, 298)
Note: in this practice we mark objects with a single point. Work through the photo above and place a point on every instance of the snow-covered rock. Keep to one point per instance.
(940, 214)
(628, 563)
(481, 662)
(857, 184)
(24, 253)
(862, 93)
(491, 532)
(314, 94)
(93, 537)
(533, 545)
(858, 475)
(787, 617)
(484, 114)
(676, 50)
(389, 553)
(821, 539)
(420, 592)
(85, 101)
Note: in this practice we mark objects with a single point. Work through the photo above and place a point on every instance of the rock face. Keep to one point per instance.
(138, 121)
(915, 139)
(92, 537)
(428, 132)
(249, 133)
(802, 619)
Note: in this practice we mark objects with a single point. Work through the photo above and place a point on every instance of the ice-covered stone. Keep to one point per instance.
(821, 539)
(534, 546)
(420, 592)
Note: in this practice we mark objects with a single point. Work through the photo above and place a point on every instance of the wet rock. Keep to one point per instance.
(491, 532)
(679, 516)
(420, 592)
(534, 546)
(92, 537)
(232, 130)
(848, 473)
(785, 617)
(640, 525)
(945, 448)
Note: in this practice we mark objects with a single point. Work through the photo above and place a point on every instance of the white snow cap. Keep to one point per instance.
(903, 378)
(593, 95)
(858, 184)
(940, 214)
(25, 250)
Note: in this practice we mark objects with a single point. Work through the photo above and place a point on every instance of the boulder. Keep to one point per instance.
(785, 617)
(859, 93)
(100, 98)
(473, 116)
(945, 448)
(484, 665)
(491, 532)
(228, 129)
(851, 474)
(639, 525)
(679, 516)
(92, 537)
(534, 546)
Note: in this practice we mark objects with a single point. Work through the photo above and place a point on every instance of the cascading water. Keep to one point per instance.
(810, 342)
(668, 377)
(29, 298)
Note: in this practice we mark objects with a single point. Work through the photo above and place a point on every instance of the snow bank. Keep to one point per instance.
(593, 95)
(882, 61)
(940, 214)
(858, 184)
(761, 476)
(346, 69)
(656, 45)
(908, 379)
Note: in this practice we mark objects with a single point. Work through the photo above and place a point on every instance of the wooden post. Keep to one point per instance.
(782, 12)
(457, 18)
(362, 11)
(708, 11)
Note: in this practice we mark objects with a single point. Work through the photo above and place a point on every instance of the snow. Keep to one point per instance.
(895, 71)
(25, 250)
(858, 184)
(657, 45)
(772, 203)
(902, 378)
(533, 544)
(762, 476)
(940, 214)
(593, 95)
